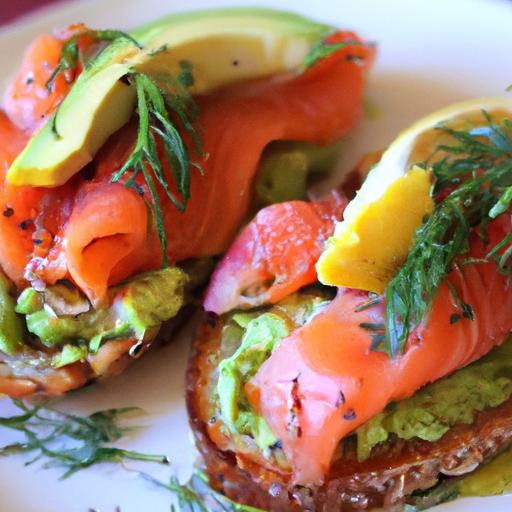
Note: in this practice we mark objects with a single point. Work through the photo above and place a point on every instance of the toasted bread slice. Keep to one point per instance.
(387, 479)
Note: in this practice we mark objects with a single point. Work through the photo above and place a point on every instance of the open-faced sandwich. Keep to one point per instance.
(377, 373)
(128, 161)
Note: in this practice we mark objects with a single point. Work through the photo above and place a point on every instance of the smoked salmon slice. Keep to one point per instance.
(109, 227)
(319, 105)
(15, 242)
(326, 377)
(27, 101)
(274, 255)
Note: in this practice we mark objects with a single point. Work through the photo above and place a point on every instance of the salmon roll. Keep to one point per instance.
(365, 363)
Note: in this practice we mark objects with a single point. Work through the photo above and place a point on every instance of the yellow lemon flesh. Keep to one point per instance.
(376, 234)
(365, 253)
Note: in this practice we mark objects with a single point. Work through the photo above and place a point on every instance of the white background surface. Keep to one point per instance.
(430, 53)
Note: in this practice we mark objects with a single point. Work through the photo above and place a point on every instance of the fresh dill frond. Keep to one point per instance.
(183, 105)
(476, 174)
(197, 496)
(70, 54)
(465, 308)
(377, 332)
(155, 123)
(324, 49)
(373, 299)
(154, 108)
(71, 442)
(187, 496)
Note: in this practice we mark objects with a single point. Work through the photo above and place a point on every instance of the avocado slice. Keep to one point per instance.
(286, 170)
(228, 45)
(223, 46)
(69, 142)
(99, 104)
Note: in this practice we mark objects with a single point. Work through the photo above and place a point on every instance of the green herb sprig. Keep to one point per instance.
(325, 49)
(476, 174)
(154, 121)
(154, 109)
(70, 54)
(71, 442)
(197, 496)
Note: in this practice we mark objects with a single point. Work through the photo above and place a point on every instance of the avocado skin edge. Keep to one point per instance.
(146, 32)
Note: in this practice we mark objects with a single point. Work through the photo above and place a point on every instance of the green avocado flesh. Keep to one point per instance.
(249, 339)
(61, 317)
(98, 105)
(222, 46)
(492, 479)
(287, 169)
(260, 337)
(11, 324)
(228, 45)
(435, 408)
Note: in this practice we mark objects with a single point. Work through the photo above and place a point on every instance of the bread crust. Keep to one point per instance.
(387, 479)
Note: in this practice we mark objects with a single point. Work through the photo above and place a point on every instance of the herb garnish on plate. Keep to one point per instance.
(75, 442)
(69, 441)
(197, 496)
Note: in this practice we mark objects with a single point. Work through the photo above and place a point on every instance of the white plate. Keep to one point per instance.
(430, 54)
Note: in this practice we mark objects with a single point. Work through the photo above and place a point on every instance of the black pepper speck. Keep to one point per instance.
(25, 224)
(350, 415)
(454, 318)
(211, 319)
(278, 445)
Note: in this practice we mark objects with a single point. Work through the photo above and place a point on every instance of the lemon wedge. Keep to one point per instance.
(375, 236)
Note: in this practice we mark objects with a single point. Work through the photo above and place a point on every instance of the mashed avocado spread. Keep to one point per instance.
(11, 325)
(60, 316)
(251, 338)
(490, 479)
(450, 401)
(287, 169)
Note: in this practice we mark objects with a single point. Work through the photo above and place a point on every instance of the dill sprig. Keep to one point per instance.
(69, 441)
(197, 496)
(476, 174)
(324, 49)
(373, 299)
(155, 123)
(70, 54)
(154, 106)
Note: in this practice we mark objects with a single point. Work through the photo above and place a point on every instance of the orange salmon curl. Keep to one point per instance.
(28, 101)
(96, 234)
(341, 383)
